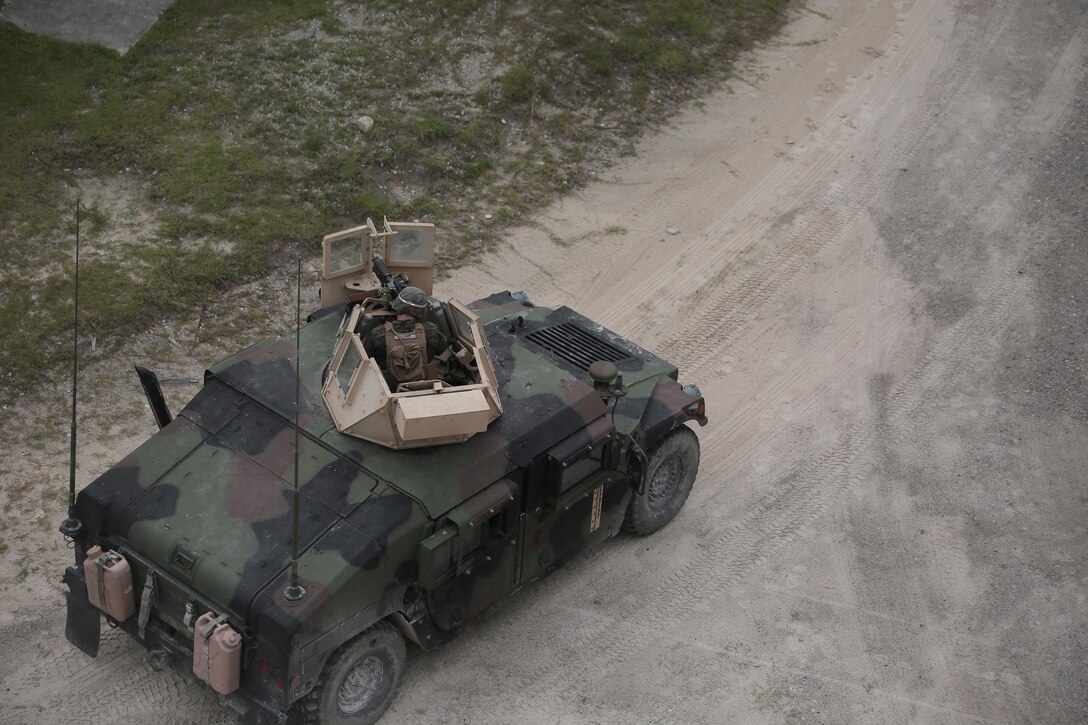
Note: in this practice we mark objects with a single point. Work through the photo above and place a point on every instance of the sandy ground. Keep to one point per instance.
(878, 283)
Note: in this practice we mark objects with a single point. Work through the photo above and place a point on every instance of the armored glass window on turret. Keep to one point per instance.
(347, 367)
(464, 325)
(409, 245)
(345, 253)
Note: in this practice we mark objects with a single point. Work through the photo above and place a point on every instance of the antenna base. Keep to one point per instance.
(71, 528)
(293, 593)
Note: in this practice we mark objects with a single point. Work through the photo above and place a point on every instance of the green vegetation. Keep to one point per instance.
(232, 136)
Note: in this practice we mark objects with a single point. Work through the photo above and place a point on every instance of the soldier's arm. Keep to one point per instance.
(374, 344)
(436, 341)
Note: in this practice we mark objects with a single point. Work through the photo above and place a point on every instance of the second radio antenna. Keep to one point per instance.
(294, 592)
(72, 527)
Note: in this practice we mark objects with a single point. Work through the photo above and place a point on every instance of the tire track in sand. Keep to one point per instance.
(116, 687)
(802, 497)
(836, 212)
(796, 502)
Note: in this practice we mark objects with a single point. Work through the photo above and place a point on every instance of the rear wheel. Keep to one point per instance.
(670, 472)
(359, 680)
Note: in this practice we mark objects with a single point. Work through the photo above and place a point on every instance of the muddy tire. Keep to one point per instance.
(670, 472)
(358, 681)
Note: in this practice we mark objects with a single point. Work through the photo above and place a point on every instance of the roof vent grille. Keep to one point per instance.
(576, 346)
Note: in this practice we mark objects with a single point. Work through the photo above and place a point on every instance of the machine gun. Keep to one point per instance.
(390, 285)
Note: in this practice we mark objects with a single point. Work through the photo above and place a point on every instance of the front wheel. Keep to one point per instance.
(670, 473)
(359, 680)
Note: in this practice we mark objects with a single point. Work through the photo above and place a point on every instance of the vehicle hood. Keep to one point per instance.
(208, 500)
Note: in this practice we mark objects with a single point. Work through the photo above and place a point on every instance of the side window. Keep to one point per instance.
(576, 471)
(578, 458)
(580, 467)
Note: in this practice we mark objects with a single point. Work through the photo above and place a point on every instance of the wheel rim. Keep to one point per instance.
(666, 481)
(359, 688)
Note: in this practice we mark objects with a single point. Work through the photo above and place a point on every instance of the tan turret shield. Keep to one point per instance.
(407, 247)
(362, 399)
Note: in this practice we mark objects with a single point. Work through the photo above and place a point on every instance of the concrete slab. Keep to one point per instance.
(116, 24)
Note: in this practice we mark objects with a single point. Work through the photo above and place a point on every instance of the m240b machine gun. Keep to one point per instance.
(391, 285)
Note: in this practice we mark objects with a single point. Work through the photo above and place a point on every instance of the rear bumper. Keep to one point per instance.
(82, 630)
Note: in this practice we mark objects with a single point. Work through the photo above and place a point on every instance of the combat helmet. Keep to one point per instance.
(412, 301)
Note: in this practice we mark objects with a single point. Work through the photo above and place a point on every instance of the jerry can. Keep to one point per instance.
(109, 583)
(217, 653)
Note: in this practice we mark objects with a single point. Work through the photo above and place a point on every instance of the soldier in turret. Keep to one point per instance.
(410, 347)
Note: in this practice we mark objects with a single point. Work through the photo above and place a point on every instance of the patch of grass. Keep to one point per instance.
(313, 141)
(45, 91)
(516, 85)
(233, 130)
(96, 219)
(430, 128)
(423, 207)
(476, 168)
(371, 203)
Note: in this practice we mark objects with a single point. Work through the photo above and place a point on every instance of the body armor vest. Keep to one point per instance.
(405, 353)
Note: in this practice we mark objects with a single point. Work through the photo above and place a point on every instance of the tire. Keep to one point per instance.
(672, 466)
(359, 680)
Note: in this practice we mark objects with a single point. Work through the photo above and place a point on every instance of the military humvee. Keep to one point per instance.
(420, 505)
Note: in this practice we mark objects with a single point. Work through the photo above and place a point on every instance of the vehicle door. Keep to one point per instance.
(578, 499)
(467, 563)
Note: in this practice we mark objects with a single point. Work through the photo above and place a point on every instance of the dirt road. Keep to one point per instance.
(878, 283)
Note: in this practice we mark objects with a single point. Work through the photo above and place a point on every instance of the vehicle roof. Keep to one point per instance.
(546, 395)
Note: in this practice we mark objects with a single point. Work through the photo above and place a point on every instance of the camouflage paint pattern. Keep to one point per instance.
(432, 535)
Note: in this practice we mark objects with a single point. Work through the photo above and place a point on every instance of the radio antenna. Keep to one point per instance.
(294, 592)
(72, 527)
